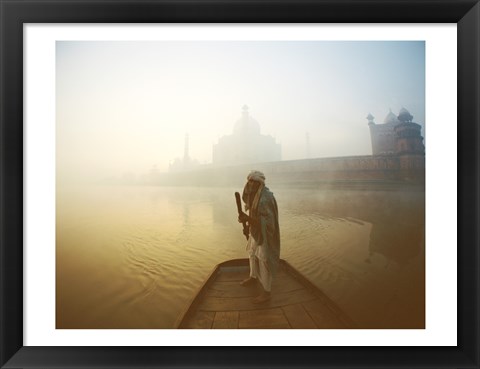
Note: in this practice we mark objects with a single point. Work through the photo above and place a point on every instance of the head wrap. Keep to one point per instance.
(251, 192)
(257, 176)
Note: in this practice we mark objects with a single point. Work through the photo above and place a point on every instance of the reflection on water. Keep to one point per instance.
(133, 257)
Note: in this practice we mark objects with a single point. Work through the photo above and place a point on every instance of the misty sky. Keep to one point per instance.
(126, 106)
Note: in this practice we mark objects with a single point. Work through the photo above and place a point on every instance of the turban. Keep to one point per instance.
(255, 175)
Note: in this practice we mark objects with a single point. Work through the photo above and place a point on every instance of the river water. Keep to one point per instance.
(134, 256)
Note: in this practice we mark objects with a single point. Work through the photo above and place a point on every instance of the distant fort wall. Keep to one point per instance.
(398, 160)
(339, 171)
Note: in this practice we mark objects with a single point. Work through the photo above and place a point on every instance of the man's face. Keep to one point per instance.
(249, 191)
(250, 186)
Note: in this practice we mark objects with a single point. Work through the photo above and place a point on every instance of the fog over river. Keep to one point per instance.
(134, 256)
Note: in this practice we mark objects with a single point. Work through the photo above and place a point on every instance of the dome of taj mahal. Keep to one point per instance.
(246, 124)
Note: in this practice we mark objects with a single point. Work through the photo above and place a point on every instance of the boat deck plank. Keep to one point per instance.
(231, 289)
(224, 304)
(281, 284)
(238, 274)
(201, 320)
(265, 318)
(212, 303)
(298, 317)
(322, 316)
(226, 320)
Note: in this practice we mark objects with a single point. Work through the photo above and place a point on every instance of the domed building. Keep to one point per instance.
(382, 135)
(408, 138)
(246, 144)
(397, 134)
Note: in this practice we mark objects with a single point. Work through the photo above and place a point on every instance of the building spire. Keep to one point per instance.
(307, 139)
(370, 118)
(186, 157)
(245, 110)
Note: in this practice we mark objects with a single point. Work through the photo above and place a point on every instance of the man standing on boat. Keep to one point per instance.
(263, 245)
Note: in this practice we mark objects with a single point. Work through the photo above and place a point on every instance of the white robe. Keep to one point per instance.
(258, 263)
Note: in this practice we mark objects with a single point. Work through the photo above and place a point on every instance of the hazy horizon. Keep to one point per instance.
(124, 107)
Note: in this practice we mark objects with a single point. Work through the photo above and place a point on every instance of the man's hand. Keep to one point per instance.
(243, 218)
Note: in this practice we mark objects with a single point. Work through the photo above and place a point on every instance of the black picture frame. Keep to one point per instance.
(15, 13)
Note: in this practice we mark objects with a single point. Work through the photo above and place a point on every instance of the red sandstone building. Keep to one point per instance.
(398, 135)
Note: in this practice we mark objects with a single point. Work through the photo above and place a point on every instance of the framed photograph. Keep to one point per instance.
(244, 184)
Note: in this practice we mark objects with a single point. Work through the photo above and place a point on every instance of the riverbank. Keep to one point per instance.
(380, 172)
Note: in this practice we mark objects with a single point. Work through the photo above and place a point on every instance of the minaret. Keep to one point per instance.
(408, 138)
(307, 139)
(373, 133)
(409, 147)
(186, 157)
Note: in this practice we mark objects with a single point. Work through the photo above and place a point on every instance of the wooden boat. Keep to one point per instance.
(295, 302)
